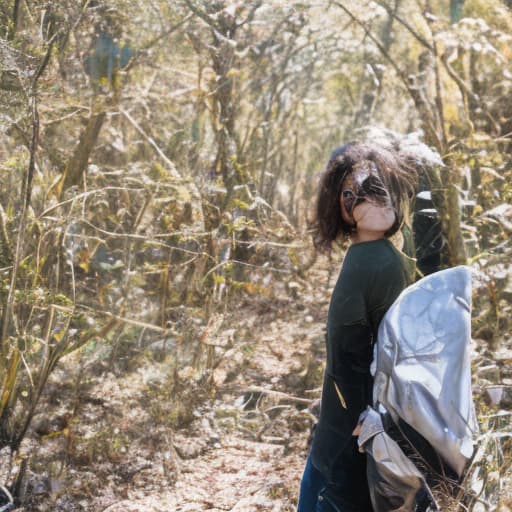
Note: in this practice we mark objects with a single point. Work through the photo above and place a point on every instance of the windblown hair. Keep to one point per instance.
(398, 178)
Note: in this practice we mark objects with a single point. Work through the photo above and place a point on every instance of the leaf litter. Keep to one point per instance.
(129, 437)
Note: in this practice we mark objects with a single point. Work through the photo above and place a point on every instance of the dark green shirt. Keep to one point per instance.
(371, 278)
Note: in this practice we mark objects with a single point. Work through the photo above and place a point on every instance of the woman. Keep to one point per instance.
(363, 196)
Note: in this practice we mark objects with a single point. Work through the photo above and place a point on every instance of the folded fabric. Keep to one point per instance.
(422, 379)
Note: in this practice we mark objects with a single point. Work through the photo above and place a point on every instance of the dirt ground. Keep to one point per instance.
(131, 430)
(114, 436)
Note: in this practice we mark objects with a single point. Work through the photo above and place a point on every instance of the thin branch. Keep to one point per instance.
(465, 89)
(278, 394)
(46, 60)
(159, 37)
(415, 97)
(202, 15)
(86, 194)
(171, 167)
(377, 43)
(245, 264)
(65, 117)
(149, 241)
(112, 316)
(439, 99)
(250, 17)
(26, 194)
(413, 32)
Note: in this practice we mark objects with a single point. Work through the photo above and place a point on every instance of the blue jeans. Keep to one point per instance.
(318, 495)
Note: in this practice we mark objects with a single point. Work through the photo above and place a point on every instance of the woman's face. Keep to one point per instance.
(365, 202)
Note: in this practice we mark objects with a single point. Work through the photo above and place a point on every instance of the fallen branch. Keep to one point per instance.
(278, 394)
(117, 318)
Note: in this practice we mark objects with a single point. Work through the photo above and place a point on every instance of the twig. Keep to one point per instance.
(240, 505)
(86, 194)
(45, 61)
(292, 245)
(67, 116)
(167, 32)
(202, 15)
(154, 145)
(464, 88)
(278, 394)
(142, 238)
(413, 32)
(118, 318)
(439, 97)
(245, 264)
(26, 193)
(122, 502)
(398, 71)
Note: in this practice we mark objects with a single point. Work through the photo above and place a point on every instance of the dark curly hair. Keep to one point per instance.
(397, 177)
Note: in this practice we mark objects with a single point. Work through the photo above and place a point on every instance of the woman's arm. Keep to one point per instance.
(349, 342)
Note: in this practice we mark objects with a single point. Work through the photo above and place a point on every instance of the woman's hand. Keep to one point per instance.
(357, 430)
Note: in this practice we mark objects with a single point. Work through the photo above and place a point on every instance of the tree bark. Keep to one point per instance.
(456, 10)
(364, 114)
(77, 165)
(15, 19)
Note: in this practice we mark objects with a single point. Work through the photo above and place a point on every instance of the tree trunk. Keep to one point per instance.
(456, 10)
(77, 165)
(15, 18)
(451, 219)
(364, 115)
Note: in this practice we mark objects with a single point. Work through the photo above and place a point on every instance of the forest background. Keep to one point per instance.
(162, 307)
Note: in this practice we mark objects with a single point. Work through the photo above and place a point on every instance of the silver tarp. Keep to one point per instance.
(422, 376)
(396, 484)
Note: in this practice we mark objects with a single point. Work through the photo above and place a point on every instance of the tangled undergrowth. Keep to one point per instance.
(228, 431)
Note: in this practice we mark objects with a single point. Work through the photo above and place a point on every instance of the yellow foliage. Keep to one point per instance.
(84, 259)
(218, 279)
(451, 113)
(64, 432)
(59, 334)
(233, 73)
(9, 380)
(493, 12)
(257, 289)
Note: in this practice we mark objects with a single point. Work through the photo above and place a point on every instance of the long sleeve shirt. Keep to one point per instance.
(372, 276)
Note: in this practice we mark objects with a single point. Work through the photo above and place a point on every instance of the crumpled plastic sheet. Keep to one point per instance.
(422, 375)
(396, 484)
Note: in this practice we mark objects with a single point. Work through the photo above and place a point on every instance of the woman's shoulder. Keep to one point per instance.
(372, 253)
(377, 257)
(361, 262)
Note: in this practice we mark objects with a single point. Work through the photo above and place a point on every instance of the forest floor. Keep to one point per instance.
(241, 443)
(120, 433)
